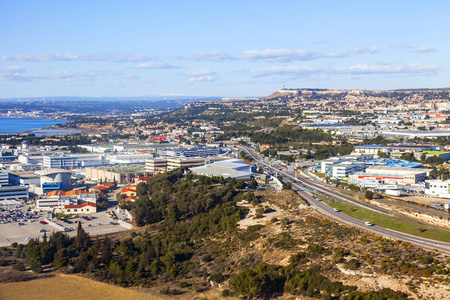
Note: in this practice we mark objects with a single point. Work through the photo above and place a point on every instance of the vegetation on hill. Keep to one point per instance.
(191, 238)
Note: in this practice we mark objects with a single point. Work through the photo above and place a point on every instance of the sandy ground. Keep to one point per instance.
(425, 200)
(370, 282)
(249, 220)
(63, 286)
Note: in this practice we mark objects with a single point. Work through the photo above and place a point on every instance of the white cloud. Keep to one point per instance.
(283, 70)
(421, 50)
(155, 66)
(202, 78)
(418, 50)
(75, 57)
(16, 73)
(281, 55)
(214, 55)
(202, 75)
(12, 69)
(418, 69)
(202, 72)
(64, 75)
(410, 69)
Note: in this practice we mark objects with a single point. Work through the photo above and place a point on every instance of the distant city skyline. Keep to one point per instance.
(213, 48)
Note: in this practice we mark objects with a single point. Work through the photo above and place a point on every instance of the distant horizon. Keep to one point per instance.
(175, 97)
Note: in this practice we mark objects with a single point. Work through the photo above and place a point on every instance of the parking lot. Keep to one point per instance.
(33, 224)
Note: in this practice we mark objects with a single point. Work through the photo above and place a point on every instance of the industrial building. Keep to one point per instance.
(54, 179)
(394, 163)
(437, 188)
(59, 199)
(4, 178)
(226, 168)
(321, 165)
(392, 149)
(192, 152)
(156, 165)
(25, 178)
(175, 163)
(117, 173)
(386, 174)
(14, 193)
(344, 169)
(160, 165)
(73, 161)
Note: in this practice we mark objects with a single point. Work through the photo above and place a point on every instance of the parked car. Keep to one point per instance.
(42, 230)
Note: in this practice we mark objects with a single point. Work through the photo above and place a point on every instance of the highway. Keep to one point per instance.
(299, 185)
(419, 208)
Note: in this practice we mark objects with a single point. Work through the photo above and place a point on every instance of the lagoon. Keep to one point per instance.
(16, 125)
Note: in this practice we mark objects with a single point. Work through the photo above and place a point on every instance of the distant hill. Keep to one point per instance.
(96, 105)
(184, 99)
(328, 94)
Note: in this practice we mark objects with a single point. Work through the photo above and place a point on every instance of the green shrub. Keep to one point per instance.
(19, 266)
(217, 277)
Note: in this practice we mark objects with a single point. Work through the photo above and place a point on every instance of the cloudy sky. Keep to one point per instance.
(219, 48)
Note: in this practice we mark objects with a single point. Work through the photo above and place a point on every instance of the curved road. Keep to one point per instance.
(423, 209)
(299, 183)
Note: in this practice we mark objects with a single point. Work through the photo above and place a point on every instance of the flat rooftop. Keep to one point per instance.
(394, 163)
(123, 168)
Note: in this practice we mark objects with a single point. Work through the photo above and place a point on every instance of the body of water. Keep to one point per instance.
(15, 125)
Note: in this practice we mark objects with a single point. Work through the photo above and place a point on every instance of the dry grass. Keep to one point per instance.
(63, 286)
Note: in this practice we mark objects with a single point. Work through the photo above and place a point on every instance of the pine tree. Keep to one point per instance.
(36, 266)
(82, 239)
(44, 238)
(81, 263)
(60, 258)
(106, 251)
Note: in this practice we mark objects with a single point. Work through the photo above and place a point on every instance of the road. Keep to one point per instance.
(415, 207)
(111, 196)
(299, 184)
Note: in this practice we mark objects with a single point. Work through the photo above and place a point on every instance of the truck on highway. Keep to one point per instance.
(394, 192)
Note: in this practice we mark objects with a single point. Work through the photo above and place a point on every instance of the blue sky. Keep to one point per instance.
(219, 48)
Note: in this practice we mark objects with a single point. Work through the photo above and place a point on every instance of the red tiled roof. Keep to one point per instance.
(80, 205)
(108, 185)
(68, 193)
(128, 189)
(100, 187)
(56, 193)
(76, 192)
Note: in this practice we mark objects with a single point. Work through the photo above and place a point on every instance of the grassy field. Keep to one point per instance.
(68, 287)
(391, 222)
(356, 196)
(436, 152)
